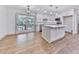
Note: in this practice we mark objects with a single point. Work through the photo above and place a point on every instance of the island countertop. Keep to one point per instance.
(54, 26)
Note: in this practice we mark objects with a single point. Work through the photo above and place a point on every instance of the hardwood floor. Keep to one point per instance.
(69, 44)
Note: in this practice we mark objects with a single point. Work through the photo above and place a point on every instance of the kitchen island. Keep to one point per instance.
(53, 32)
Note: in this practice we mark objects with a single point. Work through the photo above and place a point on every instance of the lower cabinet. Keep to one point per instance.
(52, 34)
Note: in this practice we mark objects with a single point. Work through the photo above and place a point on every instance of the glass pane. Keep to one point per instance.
(25, 23)
(31, 23)
(21, 23)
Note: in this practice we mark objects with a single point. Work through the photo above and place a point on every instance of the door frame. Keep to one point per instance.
(72, 21)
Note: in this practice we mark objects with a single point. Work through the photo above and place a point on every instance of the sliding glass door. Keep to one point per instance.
(25, 23)
(30, 23)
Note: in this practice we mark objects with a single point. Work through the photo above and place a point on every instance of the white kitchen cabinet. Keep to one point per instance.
(53, 32)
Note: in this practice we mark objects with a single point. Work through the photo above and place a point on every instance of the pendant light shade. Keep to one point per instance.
(28, 10)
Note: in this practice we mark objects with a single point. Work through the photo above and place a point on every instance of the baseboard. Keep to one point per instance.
(3, 36)
(18, 33)
(68, 32)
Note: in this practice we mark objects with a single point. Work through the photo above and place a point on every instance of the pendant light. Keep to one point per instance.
(51, 13)
(56, 13)
(51, 5)
(28, 10)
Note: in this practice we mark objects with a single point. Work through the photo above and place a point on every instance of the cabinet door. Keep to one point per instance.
(53, 34)
(43, 31)
(48, 34)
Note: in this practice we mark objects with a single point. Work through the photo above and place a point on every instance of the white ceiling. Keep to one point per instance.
(46, 9)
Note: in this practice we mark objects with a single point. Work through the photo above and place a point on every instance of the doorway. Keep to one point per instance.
(67, 20)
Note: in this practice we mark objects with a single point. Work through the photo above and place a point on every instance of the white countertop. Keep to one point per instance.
(55, 26)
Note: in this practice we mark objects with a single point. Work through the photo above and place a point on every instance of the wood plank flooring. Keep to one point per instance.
(69, 44)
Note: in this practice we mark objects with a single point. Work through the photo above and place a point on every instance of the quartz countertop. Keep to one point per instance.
(54, 26)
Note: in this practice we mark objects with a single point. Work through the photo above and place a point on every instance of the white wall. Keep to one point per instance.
(75, 25)
(78, 22)
(77, 19)
(74, 19)
(11, 19)
(3, 21)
